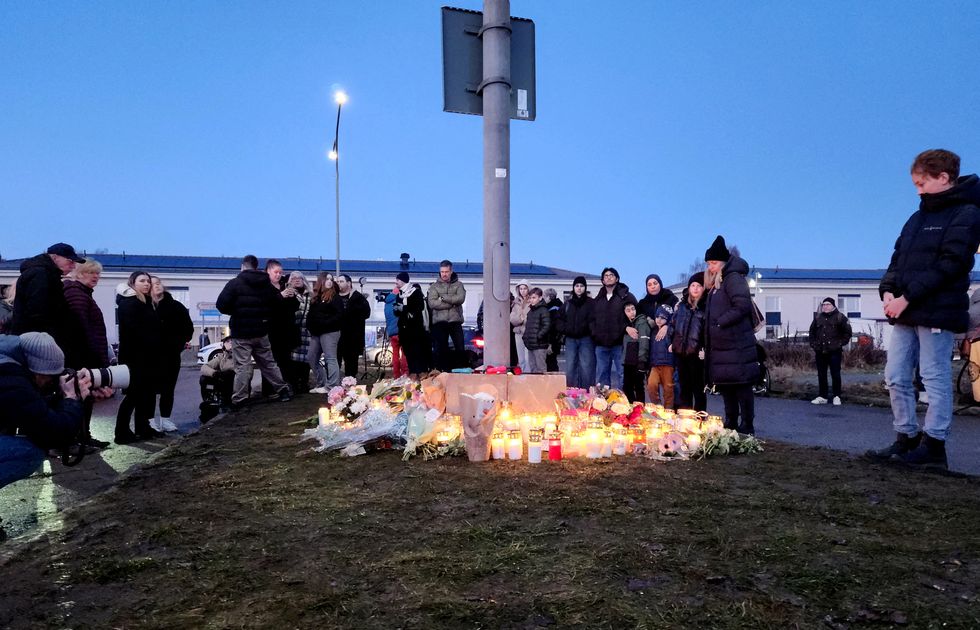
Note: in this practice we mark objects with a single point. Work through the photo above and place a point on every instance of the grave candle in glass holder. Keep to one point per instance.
(505, 416)
(576, 444)
(554, 447)
(497, 445)
(693, 442)
(607, 444)
(443, 437)
(593, 440)
(638, 433)
(550, 424)
(620, 436)
(323, 416)
(535, 436)
(515, 444)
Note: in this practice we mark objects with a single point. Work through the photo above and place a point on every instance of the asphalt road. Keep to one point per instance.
(39, 499)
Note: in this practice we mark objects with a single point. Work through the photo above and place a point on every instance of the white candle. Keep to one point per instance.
(693, 442)
(593, 444)
(534, 452)
(323, 416)
(607, 447)
(619, 445)
(515, 445)
(497, 445)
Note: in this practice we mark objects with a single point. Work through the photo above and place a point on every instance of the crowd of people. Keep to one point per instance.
(705, 338)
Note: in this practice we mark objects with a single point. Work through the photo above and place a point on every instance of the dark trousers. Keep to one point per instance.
(829, 360)
(284, 359)
(169, 373)
(739, 401)
(634, 383)
(690, 373)
(447, 359)
(349, 356)
(299, 376)
(140, 399)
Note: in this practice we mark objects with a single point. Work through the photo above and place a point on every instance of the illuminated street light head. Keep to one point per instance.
(332, 154)
(340, 97)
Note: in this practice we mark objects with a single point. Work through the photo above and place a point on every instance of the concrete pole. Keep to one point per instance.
(496, 181)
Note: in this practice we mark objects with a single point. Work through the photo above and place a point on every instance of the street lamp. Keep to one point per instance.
(340, 98)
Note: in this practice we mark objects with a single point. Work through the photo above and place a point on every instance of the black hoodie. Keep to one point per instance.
(249, 298)
(933, 258)
(575, 317)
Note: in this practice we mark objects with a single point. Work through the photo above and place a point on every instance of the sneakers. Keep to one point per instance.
(285, 394)
(929, 454)
(318, 390)
(166, 425)
(837, 401)
(819, 400)
(902, 445)
(155, 424)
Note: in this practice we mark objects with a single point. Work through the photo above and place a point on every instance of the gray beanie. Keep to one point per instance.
(43, 354)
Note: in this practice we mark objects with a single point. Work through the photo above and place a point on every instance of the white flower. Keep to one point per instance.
(348, 381)
(620, 409)
(600, 404)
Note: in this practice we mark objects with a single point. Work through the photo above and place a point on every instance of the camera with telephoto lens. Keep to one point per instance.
(114, 376)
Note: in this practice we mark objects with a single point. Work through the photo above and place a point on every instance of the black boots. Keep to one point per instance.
(930, 453)
(902, 445)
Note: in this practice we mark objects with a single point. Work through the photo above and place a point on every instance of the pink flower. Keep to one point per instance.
(335, 395)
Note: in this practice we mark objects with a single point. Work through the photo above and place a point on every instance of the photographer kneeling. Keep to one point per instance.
(40, 407)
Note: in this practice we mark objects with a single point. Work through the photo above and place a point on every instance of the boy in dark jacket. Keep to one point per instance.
(635, 353)
(661, 360)
(924, 292)
(536, 332)
(574, 322)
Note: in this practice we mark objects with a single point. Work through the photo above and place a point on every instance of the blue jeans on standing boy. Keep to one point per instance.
(609, 366)
(579, 361)
(932, 350)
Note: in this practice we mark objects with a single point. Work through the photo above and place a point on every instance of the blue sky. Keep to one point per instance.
(201, 128)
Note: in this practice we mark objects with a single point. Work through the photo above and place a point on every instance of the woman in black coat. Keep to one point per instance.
(687, 345)
(177, 329)
(732, 358)
(410, 309)
(140, 346)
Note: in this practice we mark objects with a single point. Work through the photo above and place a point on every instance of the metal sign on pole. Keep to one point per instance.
(484, 57)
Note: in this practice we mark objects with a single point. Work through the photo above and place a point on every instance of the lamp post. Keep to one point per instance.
(340, 98)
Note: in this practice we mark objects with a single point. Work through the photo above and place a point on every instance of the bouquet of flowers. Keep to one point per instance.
(348, 399)
(395, 392)
(353, 435)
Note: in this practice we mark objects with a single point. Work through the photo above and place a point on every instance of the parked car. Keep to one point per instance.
(208, 352)
(472, 346)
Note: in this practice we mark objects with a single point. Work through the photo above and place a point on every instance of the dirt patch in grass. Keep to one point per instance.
(231, 528)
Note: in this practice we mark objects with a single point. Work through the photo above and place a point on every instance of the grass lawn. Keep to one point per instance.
(238, 527)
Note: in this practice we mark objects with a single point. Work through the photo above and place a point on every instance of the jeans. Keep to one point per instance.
(327, 345)
(932, 350)
(446, 360)
(828, 360)
(521, 352)
(243, 350)
(579, 362)
(19, 458)
(609, 366)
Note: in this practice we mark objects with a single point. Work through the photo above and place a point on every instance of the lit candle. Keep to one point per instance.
(693, 442)
(497, 445)
(576, 444)
(505, 415)
(443, 437)
(323, 416)
(534, 446)
(607, 444)
(515, 444)
(639, 434)
(593, 440)
(554, 447)
(619, 441)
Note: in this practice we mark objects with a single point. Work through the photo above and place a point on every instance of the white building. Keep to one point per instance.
(196, 281)
(791, 297)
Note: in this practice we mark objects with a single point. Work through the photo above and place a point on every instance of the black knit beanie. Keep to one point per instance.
(718, 250)
(579, 280)
(698, 277)
(403, 276)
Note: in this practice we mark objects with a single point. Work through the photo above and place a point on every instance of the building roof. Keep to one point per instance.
(224, 265)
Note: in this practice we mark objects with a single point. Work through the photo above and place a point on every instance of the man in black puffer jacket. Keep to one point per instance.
(608, 328)
(250, 300)
(829, 333)
(924, 292)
